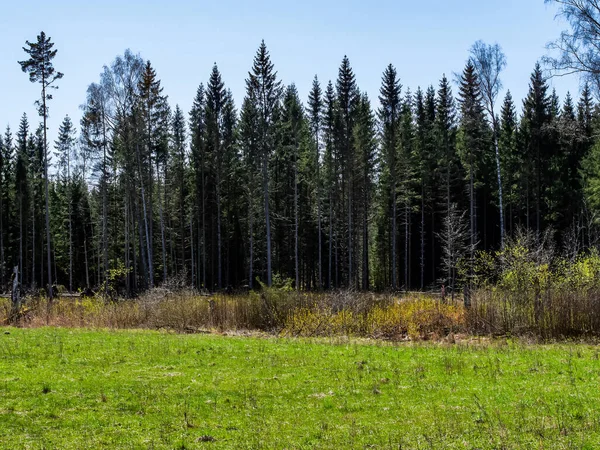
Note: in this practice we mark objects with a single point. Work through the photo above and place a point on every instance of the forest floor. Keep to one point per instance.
(83, 388)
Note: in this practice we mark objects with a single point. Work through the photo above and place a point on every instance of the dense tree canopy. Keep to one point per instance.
(336, 192)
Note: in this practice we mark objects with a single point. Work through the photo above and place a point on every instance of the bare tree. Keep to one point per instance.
(454, 237)
(577, 50)
(489, 61)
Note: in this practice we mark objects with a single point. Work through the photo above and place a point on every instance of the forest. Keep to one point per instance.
(405, 191)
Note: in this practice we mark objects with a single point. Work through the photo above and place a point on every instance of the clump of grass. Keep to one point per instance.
(418, 317)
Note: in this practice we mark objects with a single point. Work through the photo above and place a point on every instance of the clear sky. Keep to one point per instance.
(183, 38)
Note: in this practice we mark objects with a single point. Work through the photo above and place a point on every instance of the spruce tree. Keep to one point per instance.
(315, 117)
(347, 95)
(154, 111)
(365, 139)
(263, 86)
(197, 126)
(251, 159)
(534, 123)
(330, 166)
(472, 137)
(389, 116)
(3, 189)
(64, 146)
(178, 168)
(7, 198)
(446, 134)
(511, 160)
(22, 188)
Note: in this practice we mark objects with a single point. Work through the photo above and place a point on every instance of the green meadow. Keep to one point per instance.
(84, 389)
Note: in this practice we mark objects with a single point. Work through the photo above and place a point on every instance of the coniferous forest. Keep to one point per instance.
(334, 191)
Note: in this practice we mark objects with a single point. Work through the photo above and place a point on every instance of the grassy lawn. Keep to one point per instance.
(75, 389)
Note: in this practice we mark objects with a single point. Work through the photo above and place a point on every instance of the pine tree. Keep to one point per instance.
(41, 70)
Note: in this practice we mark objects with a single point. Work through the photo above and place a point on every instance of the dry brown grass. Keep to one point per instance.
(272, 310)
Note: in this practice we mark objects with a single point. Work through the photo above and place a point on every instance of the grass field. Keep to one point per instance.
(74, 389)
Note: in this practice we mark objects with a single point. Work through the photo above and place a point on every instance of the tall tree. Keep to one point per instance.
(366, 147)
(348, 96)
(198, 160)
(472, 136)
(41, 70)
(64, 146)
(488, 61)
(446, 135)
(315, 117)
(389, 117)
(534, 125)
(263, 86)
(22, 181)
(330, 177)
(216, 101)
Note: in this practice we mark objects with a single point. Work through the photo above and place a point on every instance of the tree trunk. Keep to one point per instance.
(422, 261)
(162, 229)
(15, 296)
(70, 200)
(251, 237)
(219, 244)
(394, 233)
(406, 240)
(146, 225)
(2, 269)
(350, 280)
(366, 243)
(48, 248)
(330, 268)
(192, 251)
(20, 235)
(296, 260)
(105, 213)
(267, 218)
(499, 175)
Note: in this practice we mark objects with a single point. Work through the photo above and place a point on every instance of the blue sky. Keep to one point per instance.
(183, 38)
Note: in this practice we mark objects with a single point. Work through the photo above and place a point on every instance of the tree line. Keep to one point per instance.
(340, 191)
